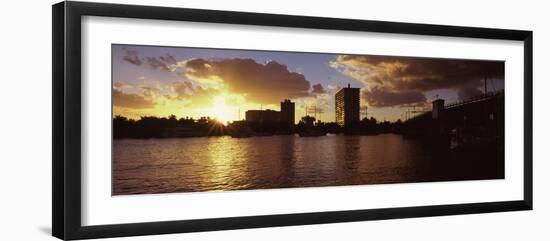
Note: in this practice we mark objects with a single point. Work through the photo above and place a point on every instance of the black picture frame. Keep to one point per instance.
(66, 164)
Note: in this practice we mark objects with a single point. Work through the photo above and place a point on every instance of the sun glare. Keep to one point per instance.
(221, 110)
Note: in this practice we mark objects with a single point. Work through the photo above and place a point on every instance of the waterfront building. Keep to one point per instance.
(347, 104)
(262, 116)
(287, 111)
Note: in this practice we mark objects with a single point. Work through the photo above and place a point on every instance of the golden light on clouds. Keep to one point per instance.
(224, 84)
(182, 99)
(222, 89)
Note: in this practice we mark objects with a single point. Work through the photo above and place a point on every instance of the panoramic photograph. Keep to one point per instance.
(187, 119)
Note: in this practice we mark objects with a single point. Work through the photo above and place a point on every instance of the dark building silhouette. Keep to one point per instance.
(347, 106)
(438, 106)
(475, 122)
(262, 116)
(287, 112)
(286, 115)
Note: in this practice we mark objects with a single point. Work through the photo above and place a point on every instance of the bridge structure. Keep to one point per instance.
(464, 122)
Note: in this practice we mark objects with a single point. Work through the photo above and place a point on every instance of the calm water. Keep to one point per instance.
(225, 163)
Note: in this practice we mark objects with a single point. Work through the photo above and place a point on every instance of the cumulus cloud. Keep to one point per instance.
(261, 83)
(164, 63)
(182, 89)
(132, 56)
(334, 87)
(406, 78)
(133, 101)
(149, 92)
(317, 89)
(194, 94)
(380, 98)
(121, 85)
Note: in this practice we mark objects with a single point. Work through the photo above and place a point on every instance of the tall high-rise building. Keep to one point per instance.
(287, 112)
(347, 106)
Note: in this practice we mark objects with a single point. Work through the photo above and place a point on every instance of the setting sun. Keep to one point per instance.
(221, 110)
(270, 119)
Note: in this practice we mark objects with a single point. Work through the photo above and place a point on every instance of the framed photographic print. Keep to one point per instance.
(169, 120)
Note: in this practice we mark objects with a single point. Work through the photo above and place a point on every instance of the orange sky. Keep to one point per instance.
(195, 82)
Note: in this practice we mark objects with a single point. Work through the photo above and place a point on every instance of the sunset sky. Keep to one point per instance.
(195, 82)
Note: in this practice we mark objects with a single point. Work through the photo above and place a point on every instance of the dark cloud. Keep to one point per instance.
(132, 56)
(467, 92)
(381, 98)
(318, 89)
(262, 83)
(470, 89)
(163, 63)
(133, 101)
(406, 75)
